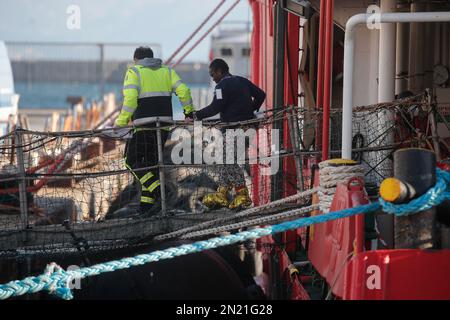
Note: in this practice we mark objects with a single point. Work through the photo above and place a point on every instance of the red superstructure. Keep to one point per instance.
(338, 250)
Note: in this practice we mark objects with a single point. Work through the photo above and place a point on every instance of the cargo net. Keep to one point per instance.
(62, 191)
(377, 132)
(71, 191)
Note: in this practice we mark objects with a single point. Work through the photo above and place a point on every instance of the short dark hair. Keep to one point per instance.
(404, 94)
(143, 52)
(219, 64)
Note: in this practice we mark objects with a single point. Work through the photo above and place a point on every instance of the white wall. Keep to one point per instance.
(6, 77)
(365, 88)
(8, 99)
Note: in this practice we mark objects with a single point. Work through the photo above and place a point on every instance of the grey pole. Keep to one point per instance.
(432, 118)
(278, 87)
(102, 71)
(292, 118)
(22, 179)
(161, 168)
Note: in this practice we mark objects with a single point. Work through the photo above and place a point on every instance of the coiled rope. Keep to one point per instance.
(330, 176)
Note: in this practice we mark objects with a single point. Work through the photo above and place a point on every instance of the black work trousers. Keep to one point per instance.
(142, 151)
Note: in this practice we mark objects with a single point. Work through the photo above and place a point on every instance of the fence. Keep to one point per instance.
(45, 72)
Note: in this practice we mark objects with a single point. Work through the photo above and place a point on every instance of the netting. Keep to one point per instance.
(76, 182)
(60, 191)
(379, 130)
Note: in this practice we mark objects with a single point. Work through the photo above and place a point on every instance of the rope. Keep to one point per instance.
(330, 176)
(245, 213)
(56, 280)
(253, 222)
(433, 197)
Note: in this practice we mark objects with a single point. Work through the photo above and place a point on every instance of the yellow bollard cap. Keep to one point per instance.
(341, 162)
(391, 189)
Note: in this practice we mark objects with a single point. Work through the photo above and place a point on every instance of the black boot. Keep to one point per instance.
(145, 208)
(149, 210)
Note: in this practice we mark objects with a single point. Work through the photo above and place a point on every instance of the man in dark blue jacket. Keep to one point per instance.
(235, 99)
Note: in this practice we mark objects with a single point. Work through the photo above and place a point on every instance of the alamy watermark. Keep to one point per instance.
(73, 21)
(232, 146)
(75, 282)
(374, 20)
(374, 279)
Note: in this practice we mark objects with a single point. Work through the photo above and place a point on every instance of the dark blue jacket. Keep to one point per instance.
(235, 98)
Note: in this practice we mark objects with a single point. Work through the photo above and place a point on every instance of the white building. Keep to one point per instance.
(232, 44)
(8, 99)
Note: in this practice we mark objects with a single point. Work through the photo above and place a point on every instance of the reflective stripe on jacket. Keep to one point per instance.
(147, 91)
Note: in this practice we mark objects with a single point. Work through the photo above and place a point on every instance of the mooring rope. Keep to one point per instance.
(57, 281)
(253, 222)
(330, 176)
(231, 217)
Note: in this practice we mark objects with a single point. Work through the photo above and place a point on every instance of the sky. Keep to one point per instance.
(166, 22)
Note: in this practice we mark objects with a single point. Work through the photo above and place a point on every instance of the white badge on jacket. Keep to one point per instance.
(219, 94)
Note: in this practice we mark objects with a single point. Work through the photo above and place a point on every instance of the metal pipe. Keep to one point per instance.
(385, 119)
(102, 70)
(162, 177)
(195, 32)
(433, 124)
(349, 53)
(386, 87)
(298, 141)
(320, 66)
(22, 180)
(445, 45)
(291, 118)
(328, 69)
(430, 45)
(386, 93)
(437, 43)
(320, 53)
(206, 33)
(278, 85)
(416, 51)
(402, 57)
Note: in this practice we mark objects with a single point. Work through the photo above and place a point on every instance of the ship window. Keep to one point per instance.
(246, 52)
(226, 52)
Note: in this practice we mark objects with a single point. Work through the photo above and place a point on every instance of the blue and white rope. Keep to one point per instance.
(433, 197)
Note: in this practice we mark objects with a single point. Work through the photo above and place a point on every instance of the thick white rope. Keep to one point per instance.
(245, 213)
(330, 176)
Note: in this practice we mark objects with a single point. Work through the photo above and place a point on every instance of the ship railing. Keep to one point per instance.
(52, 183)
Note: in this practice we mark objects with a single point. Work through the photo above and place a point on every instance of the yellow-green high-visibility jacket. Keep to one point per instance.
(147, 92)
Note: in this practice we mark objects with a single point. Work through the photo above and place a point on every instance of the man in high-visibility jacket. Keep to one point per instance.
(147, 92)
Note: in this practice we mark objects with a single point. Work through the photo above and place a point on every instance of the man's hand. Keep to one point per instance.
(189, 117)
(117, 132)
(113, 129)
